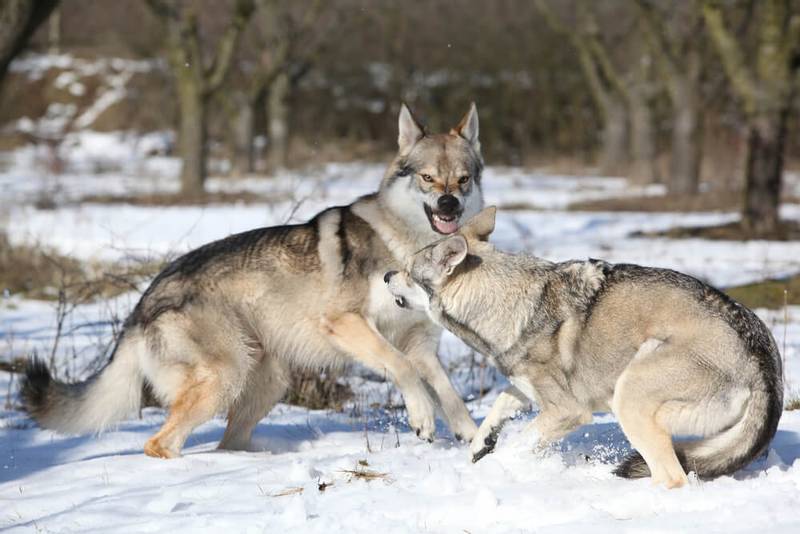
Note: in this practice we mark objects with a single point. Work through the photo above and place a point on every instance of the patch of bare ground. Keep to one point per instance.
(772, 294)
(734, 231)
(710, 201)
(42, 274)
(179, 199)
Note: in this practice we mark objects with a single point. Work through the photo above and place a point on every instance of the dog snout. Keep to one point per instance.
(448, 204)
(388, 276)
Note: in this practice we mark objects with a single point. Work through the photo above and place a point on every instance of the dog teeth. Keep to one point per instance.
(443, 219)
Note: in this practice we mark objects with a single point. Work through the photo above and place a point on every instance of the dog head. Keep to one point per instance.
(434, 183)
(428, 270)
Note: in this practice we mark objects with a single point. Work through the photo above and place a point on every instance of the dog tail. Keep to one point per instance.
(90, 406)
(735, 447)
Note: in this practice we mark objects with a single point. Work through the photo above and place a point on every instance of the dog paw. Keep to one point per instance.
(421, 416)
(155, 449)
(483, 444)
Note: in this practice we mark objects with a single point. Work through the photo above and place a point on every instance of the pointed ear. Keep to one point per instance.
(410, 130)
(448, 254)
(480, 226)
(468, 127)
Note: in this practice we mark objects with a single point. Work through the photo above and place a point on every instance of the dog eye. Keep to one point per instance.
(400, 301)
(464, 179)
(427, 177)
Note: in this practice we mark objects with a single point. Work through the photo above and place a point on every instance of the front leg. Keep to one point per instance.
(560, 412)
(421, 348)
(509, 402)
(351, 333)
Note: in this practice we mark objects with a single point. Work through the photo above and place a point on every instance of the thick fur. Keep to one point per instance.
(224, 326)
(668, 354)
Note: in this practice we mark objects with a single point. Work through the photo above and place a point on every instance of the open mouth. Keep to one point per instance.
(441, 223)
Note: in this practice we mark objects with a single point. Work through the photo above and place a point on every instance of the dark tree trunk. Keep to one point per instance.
(192, 139)
(763, 174)
(643, 139)
(18, 20)
(687, 142)
(244, 156)
(613, 157)
(278, 122)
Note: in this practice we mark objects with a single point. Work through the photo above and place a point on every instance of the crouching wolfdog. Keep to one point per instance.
(222, 327)
(669, 355)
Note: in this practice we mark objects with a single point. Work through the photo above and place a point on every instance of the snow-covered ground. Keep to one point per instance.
(305, 470)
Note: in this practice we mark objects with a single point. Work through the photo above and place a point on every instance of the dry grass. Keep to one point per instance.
(768, 293)
(46, 275)
(318, 390)
(792, 404)
(711, 201)
(179, 199)
(786, 231)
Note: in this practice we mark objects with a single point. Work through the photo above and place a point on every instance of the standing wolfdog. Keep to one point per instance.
(668, 354)
(222, 327)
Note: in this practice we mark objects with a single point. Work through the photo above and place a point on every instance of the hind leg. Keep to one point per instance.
(197, 401)
(645, 404)
(265, 386)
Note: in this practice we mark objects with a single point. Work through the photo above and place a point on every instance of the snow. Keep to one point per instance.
(54, 483)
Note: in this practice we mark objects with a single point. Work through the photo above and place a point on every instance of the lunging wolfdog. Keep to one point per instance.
(666, 353)
(222, 327)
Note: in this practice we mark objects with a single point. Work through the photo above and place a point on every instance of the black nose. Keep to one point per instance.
(388, 276)
(447, 204)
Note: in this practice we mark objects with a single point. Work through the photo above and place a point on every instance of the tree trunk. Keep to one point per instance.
(687, 140)
(18, 20)
(192, 136)
(278, 122)
(763, 178)
(643, 140)
(244, 137)
(613, 157)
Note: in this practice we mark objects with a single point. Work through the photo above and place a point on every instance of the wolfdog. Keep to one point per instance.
(666, 353)
(222, 327)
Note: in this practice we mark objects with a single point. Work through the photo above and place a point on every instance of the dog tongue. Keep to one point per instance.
(446, 227)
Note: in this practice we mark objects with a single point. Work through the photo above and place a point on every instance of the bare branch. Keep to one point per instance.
(226, 48)
(731, 54)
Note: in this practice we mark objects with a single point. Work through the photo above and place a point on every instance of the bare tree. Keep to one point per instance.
(676, 42)
(197, 80)
(621, 95)
(765, 86)
(18, 20)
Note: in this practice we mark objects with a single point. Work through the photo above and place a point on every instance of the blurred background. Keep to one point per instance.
(657, 131)
(659, 91)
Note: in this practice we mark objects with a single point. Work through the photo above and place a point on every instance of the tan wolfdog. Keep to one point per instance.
(666, 353)
(224, 326)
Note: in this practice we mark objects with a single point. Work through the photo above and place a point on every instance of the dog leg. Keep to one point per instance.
(421, 349)
(195, 403)
(510, 401)
(642, 404)
(351, 333)
(266, 386)
(560, 412)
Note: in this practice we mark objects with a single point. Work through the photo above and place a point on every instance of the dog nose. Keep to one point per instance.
(388, 276)
(448, 203)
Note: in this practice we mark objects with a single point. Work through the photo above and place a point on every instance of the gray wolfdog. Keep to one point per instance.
(221, 328)
(666, 353)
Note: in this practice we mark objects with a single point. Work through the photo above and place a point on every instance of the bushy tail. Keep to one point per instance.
(728, 451)
(90, 406)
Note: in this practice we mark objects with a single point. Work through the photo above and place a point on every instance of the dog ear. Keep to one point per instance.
(410, 130)
(449, 253)
(468, 127)
(480, 227)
